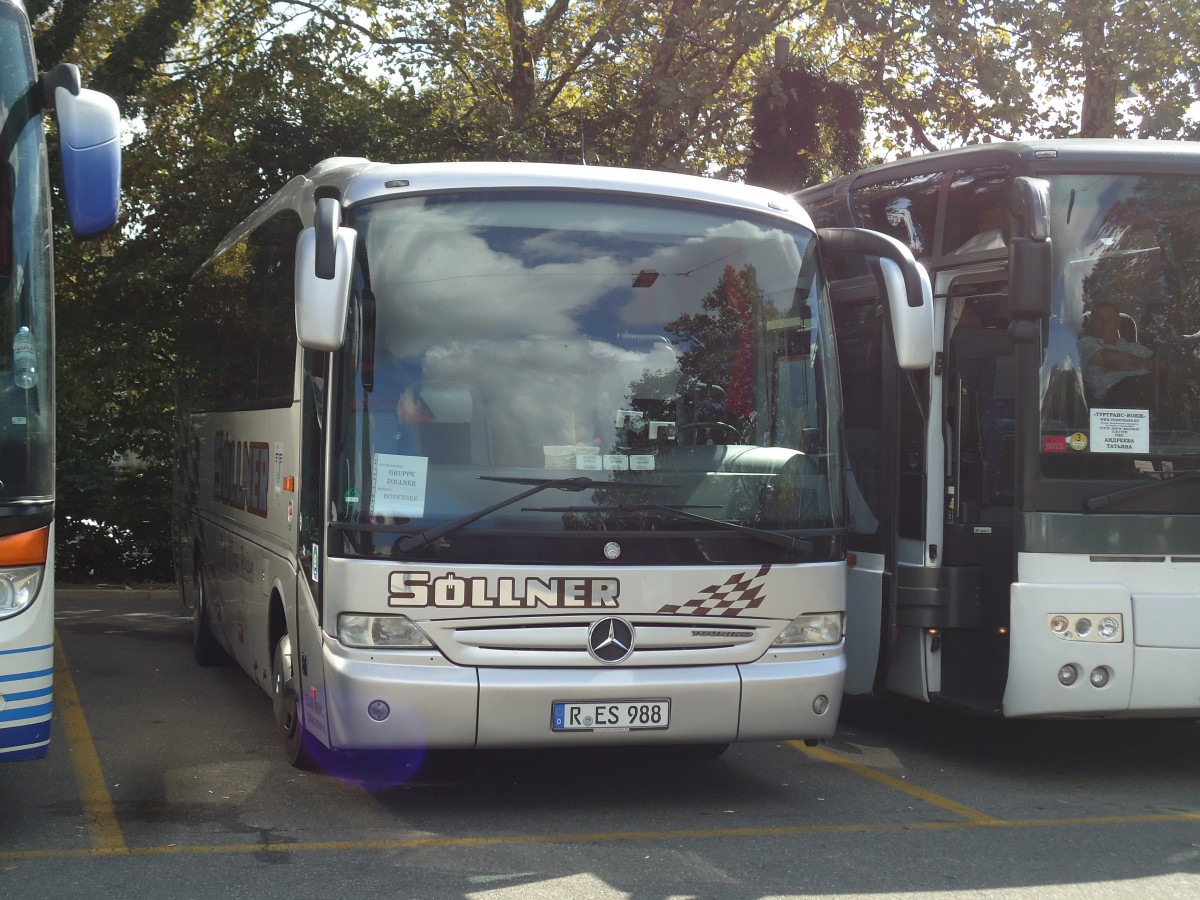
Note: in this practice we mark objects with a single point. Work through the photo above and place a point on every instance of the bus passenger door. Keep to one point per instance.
(867, 368)
(978, 550)
(310, 551)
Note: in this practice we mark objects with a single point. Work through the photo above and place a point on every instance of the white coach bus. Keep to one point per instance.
(90, 155)
(1035, 543)
(515, 455)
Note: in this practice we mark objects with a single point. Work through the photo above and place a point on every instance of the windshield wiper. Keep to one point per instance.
(1103, 500)
(776, 538)
(578, 483)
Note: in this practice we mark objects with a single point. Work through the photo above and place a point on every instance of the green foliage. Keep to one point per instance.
(806, 129)
(211, 145)
(227, 99)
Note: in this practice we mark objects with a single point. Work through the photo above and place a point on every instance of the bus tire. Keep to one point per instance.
(205, 646)
(289, 711)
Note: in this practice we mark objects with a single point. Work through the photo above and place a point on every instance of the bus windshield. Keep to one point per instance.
(26, 430)
(1121, 375)
(671, 361)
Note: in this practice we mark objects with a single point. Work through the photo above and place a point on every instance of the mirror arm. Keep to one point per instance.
(64, 75)
(328, 219)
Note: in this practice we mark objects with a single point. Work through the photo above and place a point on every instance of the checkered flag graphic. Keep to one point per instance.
(739, 593)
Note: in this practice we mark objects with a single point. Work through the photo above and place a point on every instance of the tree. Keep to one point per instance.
(1134, 65)
(227, 99)
(653, 83)
(235, 123)
(806, 128)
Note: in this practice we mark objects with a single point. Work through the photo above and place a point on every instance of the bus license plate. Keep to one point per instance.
(609, 715)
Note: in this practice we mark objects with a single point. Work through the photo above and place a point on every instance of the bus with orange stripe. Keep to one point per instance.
(88, 136)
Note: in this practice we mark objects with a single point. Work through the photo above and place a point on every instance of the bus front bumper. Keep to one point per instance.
(407, 699)
(1150, 669)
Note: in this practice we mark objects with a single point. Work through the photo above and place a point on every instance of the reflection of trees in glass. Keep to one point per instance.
(1152, 264)
(719, 350)
(1151, 270)
(719, 360)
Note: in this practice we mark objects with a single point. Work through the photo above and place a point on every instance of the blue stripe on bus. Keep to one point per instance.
(32, 741)
(14, 696)
(22, 676)
(25, 712)
(27, 649)
(39, 752)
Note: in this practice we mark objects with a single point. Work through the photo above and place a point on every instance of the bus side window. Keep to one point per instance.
(977, 217)
(983, 421)
(905, 209)
(860, 336)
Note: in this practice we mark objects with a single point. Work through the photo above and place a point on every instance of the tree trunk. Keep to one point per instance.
(521, 84)
(1098, 117)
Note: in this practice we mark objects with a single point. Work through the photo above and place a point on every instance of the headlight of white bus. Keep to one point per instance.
(18, 588)
(811, 629)
(370, 632)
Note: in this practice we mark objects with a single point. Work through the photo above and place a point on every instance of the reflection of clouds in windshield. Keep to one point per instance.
(452, 285)
(545, 327)
(546, 390)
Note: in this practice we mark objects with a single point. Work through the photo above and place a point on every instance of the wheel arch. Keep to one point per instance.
(280, 620)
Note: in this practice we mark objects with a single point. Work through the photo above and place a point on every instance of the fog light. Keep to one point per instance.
(1099, 677)
(820, 704)
(1109, 628)
(1083, 627)
(1068, 674)
(378, 710)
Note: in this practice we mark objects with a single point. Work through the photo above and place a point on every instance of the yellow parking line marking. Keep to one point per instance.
(599, 837)
(108, 839)
(103, 826)
(953, 806)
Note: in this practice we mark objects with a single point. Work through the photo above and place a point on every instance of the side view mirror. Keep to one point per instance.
(89, 132)
(324, 258)
(912, 327)
(903, 282)
(1029, 250)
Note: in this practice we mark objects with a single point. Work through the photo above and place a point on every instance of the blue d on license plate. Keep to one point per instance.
(609, 715)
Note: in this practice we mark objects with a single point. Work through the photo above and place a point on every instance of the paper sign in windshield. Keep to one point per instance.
(399, 485)
(1120, 431)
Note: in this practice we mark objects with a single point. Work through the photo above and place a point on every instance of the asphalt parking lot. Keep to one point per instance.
(167, 779)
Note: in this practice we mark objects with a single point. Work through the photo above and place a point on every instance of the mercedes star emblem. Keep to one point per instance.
(610, 640)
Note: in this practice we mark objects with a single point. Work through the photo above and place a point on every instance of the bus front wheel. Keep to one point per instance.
(288, 709)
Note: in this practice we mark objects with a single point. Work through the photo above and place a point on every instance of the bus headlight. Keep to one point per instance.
(18, 589)
(370, 632)
(811, 629)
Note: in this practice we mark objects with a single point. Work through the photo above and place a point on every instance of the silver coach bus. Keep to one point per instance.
(515, 455)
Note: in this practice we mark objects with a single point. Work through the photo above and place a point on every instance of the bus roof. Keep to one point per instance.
(1062, 155)
(363, 180)
(358, 180)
